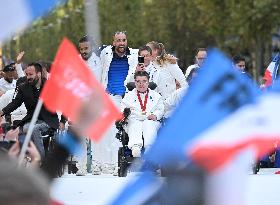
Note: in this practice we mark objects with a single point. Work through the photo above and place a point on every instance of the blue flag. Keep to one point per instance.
(17, 14)
(217, 92)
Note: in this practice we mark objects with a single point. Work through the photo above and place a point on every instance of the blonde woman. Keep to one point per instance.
(169, 72)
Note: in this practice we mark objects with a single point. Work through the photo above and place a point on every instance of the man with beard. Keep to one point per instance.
(93, 63)
(87, 54)
(117, 61)
(28, 93)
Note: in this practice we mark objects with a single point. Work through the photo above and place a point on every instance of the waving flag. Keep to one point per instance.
(271, 71)
(71, 84)
(217, 93)
(17, 14)
(222, 116)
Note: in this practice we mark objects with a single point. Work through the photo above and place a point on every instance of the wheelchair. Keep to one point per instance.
(50, 139)
(125, 157)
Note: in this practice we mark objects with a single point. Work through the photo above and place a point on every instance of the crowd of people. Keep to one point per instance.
(146, 80)
(159, 85)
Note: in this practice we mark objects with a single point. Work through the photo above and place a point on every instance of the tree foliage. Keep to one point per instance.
(234, 26)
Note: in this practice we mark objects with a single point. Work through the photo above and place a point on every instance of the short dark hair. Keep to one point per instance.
(237, 58)
(200, 49)
(45, 64)
(86, 38)
(141, 73)
(37, 66)
(9, 68)
(145, 48)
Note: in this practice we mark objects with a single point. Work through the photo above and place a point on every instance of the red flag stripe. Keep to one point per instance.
(214, 157)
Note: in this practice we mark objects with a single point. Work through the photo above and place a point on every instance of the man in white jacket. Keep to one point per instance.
(117, 61)
(93, 62)
(146, 109)
(91, 59)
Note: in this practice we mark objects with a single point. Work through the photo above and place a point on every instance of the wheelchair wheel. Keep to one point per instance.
(122, 163)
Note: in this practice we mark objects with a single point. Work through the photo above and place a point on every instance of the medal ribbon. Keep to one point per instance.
(143, 106)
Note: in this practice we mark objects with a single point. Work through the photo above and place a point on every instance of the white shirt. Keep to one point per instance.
(5, 85)
(94, 65)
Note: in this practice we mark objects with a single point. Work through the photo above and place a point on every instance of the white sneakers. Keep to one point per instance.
(96, 168)
(106, 168)
(81, 172)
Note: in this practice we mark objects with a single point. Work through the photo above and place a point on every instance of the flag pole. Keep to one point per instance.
(30, 130)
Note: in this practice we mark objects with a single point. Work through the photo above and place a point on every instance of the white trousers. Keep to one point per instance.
(82, 157)
(106, 150)
(137, 128)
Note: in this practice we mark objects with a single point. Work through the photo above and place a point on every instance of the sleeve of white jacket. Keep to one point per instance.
(103, 62)
(178, 74)
(19, 70)
(129, 77)
(158, 109)
(169, 103)
(97, 69)
(6, 98)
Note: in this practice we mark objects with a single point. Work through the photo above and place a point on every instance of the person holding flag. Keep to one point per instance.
(271, 72)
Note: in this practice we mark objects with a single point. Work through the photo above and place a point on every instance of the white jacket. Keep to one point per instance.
(106, 57)
(5, 99)
(168, 73)
(154, 105)
(94, 65)
(190, 68)
(173, 100)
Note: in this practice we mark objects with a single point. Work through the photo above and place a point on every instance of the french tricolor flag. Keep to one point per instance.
(271, 71)
(222, 124)
(17, 14)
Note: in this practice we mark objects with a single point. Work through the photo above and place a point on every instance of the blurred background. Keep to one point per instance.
(249, 27)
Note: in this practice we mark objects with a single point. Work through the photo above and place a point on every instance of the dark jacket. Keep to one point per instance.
(29, 95)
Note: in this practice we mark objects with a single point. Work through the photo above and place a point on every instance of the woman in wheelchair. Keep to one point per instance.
(146, 108)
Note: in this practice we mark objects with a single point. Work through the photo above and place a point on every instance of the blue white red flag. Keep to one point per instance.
(222, 115)
(271, 71)
(15, 15)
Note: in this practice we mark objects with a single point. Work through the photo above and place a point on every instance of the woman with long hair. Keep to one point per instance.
(169, 71)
